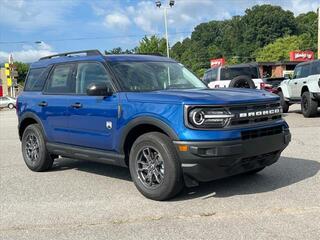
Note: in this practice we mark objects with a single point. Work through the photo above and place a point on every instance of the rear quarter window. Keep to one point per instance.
(232, 72)
(35, 79)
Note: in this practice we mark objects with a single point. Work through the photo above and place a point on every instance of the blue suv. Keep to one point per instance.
(148, 113)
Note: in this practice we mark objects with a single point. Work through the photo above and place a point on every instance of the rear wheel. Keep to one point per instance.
(154, 166)
(34, 151)
(10, 106)
(283, 102)
(308, 105)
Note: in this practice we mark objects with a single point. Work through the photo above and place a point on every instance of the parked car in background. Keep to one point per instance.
(7, 102)
(235, 76)
(271, 84)
(304, 88)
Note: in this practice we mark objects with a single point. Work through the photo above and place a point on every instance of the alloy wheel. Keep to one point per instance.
(150, 167)
(32, 148)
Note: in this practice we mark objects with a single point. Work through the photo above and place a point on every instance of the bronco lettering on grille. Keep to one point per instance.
(259, 113)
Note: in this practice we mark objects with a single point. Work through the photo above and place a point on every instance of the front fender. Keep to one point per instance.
(145, 120)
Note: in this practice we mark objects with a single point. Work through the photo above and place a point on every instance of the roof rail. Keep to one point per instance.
(88, 52)
(151, 54)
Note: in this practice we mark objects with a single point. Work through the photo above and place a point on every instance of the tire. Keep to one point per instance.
(308, 105)
(283, 102)
(166, 166)
(252, 172)
(10, 106)
(34, 151)
(242, 81)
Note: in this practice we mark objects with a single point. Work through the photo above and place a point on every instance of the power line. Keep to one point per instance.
(89, 38)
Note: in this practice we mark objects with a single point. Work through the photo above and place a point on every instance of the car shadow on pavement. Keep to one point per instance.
(62, 164)
(298, 111)
(286, 172)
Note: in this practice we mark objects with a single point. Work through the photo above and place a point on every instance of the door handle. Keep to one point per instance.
(76, 105)
(43, 104)
(304, 82)
(296, 83)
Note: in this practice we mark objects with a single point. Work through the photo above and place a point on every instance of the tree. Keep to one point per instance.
(264, 24)
(118, 50)
(22, 69)
(279, 50)
(307, 24)
(152, 45)
(236, 39)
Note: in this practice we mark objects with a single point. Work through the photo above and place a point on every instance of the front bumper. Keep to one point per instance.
(210, 160)
(316, 96)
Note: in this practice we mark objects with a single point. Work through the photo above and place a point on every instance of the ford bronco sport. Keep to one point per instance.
(148, 113)
(303, 88)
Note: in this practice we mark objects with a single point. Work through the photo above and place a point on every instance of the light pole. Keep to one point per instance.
(158, 4)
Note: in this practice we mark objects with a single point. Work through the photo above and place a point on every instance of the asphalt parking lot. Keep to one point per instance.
(85, 200)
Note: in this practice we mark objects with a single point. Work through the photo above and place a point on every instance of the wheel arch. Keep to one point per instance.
(304, 89)
(26, 120)
(142, 125)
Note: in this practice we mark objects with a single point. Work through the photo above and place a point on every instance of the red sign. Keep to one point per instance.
(301, 56)
(1, 91)
(217, 62)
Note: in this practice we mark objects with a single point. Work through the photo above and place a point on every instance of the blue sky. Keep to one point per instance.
(66, 25)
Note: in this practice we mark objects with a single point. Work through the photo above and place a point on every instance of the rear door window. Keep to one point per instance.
(35, 79)
(60, 80)
(305, 71)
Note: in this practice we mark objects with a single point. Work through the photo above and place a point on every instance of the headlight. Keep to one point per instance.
(207, 117)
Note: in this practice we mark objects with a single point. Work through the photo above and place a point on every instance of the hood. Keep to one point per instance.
(204, 96)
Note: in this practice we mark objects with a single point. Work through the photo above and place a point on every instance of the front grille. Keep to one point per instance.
(251, 134)
(257, 108)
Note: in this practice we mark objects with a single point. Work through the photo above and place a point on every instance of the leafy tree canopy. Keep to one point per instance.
(240, 38)
(22, 69)
(153, 44)
(279, 50)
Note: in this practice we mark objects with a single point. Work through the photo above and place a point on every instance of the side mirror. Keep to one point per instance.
(99, 89)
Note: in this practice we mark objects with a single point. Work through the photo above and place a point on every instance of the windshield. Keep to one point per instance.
(230, 73)
(151, 76)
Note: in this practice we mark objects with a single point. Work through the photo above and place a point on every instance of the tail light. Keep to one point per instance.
(265, 85)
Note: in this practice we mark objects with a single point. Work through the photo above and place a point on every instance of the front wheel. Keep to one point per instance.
(154, 166)
(10, 106)
(283, 102)
(308, 105)
(34, 150)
